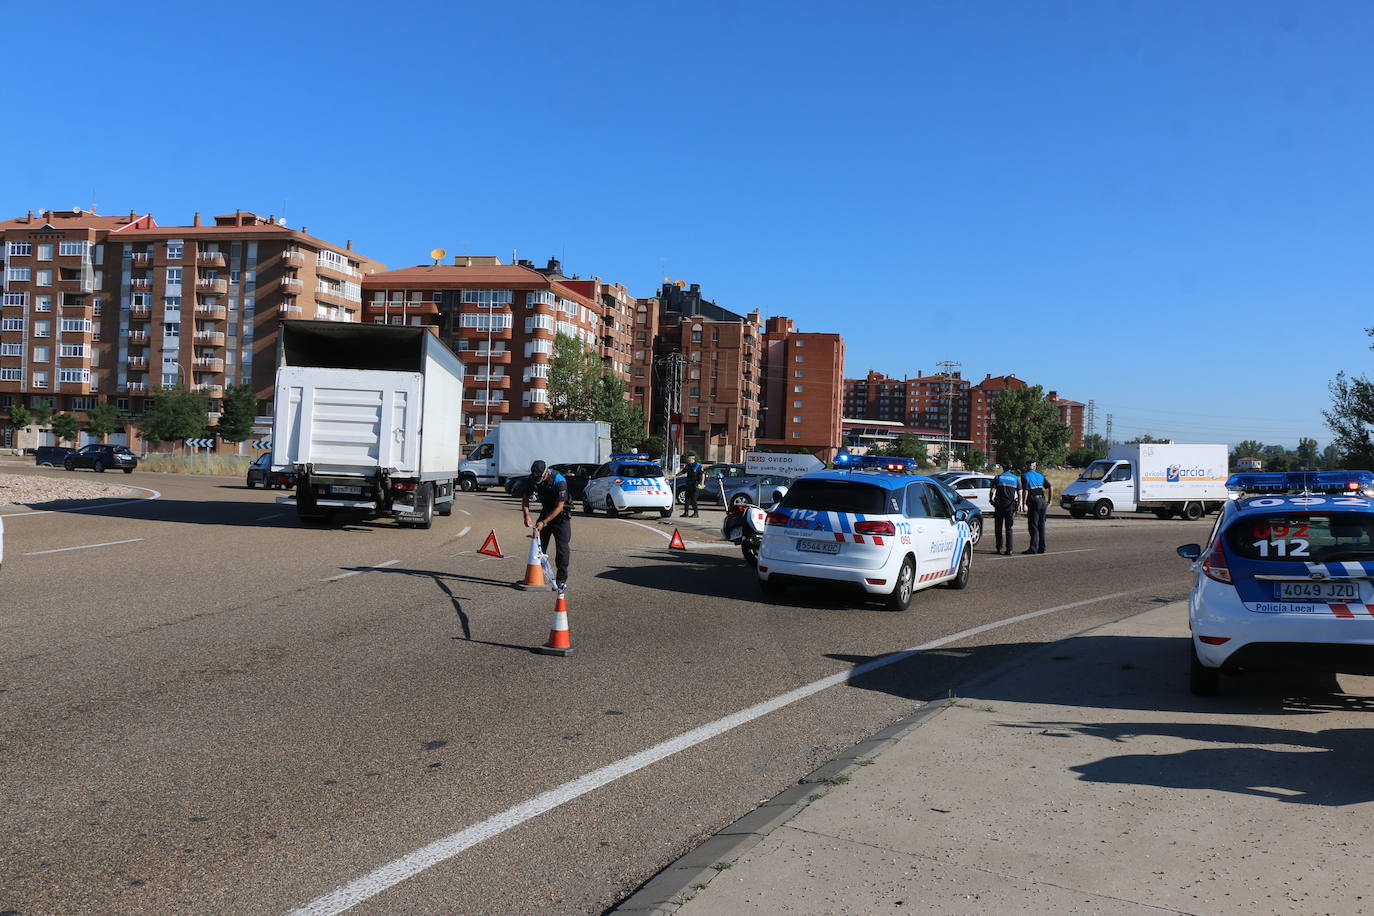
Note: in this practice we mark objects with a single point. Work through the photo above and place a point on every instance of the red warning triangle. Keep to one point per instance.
(490, 547)
(676, 542)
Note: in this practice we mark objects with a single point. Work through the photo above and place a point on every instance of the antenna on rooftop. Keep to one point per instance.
(438, 255)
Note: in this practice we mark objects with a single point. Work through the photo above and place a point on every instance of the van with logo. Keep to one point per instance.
(1166, 478)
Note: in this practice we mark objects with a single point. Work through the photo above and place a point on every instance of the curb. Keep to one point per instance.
(665, 891)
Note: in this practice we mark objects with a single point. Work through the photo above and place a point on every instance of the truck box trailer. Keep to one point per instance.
(508, 449)
(369, 417)
(1162, 477)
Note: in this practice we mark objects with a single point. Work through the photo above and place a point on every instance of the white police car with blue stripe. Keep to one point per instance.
(628, 483)
(872, 524)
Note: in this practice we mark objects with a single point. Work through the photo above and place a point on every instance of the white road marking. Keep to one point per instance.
(82, 547)
(465, 512)
(127, 502)
(465, 531)
(389, 875)
(359, 572)
(266, 517)
(691, 545)
(1048, 553)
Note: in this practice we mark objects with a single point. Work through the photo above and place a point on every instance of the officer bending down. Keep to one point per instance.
(1006, 494)
(1035, 499)
(555, 521)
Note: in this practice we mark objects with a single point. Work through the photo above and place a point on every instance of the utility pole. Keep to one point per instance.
(947, 368)
(672, 387)
(1109, 430)
(1090, 421)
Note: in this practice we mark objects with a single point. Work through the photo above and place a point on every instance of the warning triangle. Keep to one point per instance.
(490, 547)
(676, 542)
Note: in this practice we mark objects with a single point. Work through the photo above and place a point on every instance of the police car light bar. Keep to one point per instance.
(1354, 482)
(846, 461)
(628, 456)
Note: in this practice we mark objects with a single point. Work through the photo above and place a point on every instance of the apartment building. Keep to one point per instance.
(113, 308)
(721, 355)
(983, 408)
(803, 389)
(501, 320)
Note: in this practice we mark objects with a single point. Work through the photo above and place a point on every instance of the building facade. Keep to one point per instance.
(803, 390)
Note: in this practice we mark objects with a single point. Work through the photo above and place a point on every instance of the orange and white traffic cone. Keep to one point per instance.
(560, 639)
(534, 570)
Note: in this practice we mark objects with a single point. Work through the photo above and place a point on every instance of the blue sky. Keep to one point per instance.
(1162, 206)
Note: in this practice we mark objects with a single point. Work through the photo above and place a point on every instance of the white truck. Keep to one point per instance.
(510, 448)
(369, 418)
(1163, 477)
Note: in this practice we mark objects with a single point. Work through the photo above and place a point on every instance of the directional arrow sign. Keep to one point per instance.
(786, 465)
(263, 444)
(200, 443)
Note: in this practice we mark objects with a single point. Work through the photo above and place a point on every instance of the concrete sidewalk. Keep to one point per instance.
(1084, 780)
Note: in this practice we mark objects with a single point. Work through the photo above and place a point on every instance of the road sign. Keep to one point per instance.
(199, 443)
(776, 463)
(263, 444)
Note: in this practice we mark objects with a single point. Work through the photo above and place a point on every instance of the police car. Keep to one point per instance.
(871, 524)
(1286, 580)
(628, 483)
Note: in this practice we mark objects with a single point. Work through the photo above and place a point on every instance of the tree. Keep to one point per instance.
(609, 404)
(1350, 418)
(1331, 457)
(20, 417)
(573, 374)
(236, 413)
(977, 460)
(1247, 448)
(1276, 458)
(903, 447)
(655, 446)
(1027, 428)
(1094, 447)
(103, 419)
(1306, 455)
(66, 426)
(174, 415)
(42, 415)
(1144, 437)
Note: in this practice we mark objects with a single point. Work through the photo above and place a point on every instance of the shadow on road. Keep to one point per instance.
(441, 581)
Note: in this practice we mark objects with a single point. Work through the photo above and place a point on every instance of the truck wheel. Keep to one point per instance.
(611, 510)
(1102, 508)
(1191, 511)
(1202, 681)
(467, 484)
(1164, 513)
(424, 498)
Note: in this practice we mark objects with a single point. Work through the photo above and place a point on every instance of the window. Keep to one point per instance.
(796, 389)
(171, 304)
(487, 298)
(73, 375)
(40, 378)
(796, 434)
(801, 357)
(42, 328)
(485, 322)
(233, 276)
(171, 329)
(16, 299)
(11, 375)
(11, 324)
(121, 403)
(798, 374)
(801, 343)
(73, 325)
(540, 322)
(797, 404)
(40, 354)
(695, 412)
(45, 252)
(20, 249)
(83, 403)
(174, 253)
(536, 297)
(796, 419)
(11, 349)
(76, 351)
(174, 276)
(538, 346)
(840, 496)
(68, 249)
(169, 380)
(21, 274)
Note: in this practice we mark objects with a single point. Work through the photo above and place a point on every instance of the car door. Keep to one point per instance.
(934, 533)
(82, 458)
(596, 487)
(977, 490)
(1119, 487)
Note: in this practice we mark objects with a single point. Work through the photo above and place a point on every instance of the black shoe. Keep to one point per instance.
(1005, 553)
(1040, 551)
(1028, 552)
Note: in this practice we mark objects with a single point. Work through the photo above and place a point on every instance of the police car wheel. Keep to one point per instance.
(1102, 509)
(961, 578)
(900, 599)
(665, 513)
(975, 529)
(1202, 681)
(611, 510)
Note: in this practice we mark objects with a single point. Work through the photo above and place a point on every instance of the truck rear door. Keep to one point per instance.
(348, 420)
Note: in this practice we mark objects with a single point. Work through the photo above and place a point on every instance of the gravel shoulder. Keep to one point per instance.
(32, 489)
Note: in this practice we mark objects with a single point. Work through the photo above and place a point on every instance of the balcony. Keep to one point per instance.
(212, 312)
(209, 338)
(403, 309)
(214, 391)
(321, 264)
(212, 286)
(137, 362)
(142, 259)
(141, 283)
(475, 383)
(498, 357)
(291, 256)
(140, 311)
(208, 364)
(210, 258)
(336, 297)
(136, 387)
(290, 284)
(291, 310)
(484, 407)
(138, 337)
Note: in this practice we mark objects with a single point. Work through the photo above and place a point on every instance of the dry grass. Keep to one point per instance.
(1061, 479)
(226, 465)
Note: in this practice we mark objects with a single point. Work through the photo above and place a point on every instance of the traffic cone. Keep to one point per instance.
(676, 542)
(560, 639)
(491, 548)
(534, 570)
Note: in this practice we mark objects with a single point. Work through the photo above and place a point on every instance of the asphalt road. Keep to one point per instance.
(202, 716)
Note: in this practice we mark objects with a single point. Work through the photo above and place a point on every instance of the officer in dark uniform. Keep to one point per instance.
(1035, 499)
(692, 476)
(555, 521)
(1006, 487)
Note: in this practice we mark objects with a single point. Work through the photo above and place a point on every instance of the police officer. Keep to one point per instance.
(1006, 494)
(555, 521)
(692, 476)
(1035, 499)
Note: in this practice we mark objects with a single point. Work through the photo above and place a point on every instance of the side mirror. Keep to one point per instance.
(962, 515)
(1190, 551)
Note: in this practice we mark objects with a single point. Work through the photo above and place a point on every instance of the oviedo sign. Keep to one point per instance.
(787, 465)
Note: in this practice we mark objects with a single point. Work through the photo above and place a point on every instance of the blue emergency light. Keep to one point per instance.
(876, 463)
(1353, 482)
(628, 456)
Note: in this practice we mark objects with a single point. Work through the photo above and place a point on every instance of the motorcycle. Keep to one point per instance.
(743, 525)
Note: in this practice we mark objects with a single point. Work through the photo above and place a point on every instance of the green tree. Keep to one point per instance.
(239, 408)
(1247, 448)
(1027, 428)
(20, 417)
(1276, 458)
(1331, 457)
(66, 426)
(655, 446)
(42, 415)
(904, 447)
(1350, 418)
(103, 419)
(1306, 455)
(174, 415)
(1094, 447)
(1144, 437)
(977, 460)
(573, 375)
(626, 419)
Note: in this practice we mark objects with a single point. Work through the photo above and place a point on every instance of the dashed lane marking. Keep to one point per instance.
(36, 553)
(359, 572)
(393, 873)
(465, 512)
(464, 531)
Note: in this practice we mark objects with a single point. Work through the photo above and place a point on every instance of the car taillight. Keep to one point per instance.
(875, 528)
(777, 518)
(1215, 568)
(403, 485)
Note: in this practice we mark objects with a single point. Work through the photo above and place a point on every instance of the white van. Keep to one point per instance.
(1162, 477)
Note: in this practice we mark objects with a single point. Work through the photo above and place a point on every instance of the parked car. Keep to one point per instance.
(51, 455)
(260, 474)
(760, 490)
(577, 476)
(102, 458)
(976, 488)
(713, 474)
(963, 500)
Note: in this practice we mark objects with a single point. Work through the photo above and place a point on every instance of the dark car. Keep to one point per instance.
(51, 455)
(260, 474)
(577, 476)
(102, 458)
(975, 514)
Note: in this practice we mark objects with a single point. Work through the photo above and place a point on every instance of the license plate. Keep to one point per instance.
(1329, 592)
(347, 491)
(818, 546)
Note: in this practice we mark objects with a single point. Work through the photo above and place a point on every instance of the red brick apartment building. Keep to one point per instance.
(502, 320)
(111, 308)
(803, 386)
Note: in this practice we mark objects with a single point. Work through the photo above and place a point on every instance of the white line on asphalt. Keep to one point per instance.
(1048, 553)
(389, 875)
(82, 547)
(266, 517)
(668, 537)
(465, 512)
(359, 572)
(127, 502)
(465, 531)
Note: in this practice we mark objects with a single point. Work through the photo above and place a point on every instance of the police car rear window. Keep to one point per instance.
(839, 496)
(1312, 537)
(640, 470)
